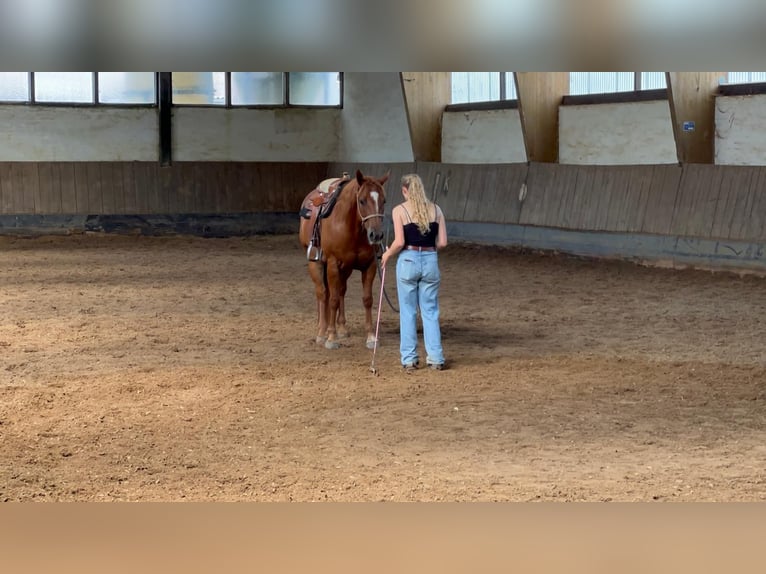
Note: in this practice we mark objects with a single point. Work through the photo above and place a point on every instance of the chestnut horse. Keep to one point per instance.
(342, 230)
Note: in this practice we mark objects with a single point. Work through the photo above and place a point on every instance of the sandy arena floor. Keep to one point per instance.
(166, 369)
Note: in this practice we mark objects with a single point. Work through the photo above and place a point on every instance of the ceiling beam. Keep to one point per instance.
(540, 95)
(692, 111)
(425, 96)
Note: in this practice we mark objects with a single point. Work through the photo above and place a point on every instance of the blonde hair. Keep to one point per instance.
(416, 194)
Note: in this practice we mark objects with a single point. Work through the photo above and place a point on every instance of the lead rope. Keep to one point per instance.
(378, 255)
(374, 370)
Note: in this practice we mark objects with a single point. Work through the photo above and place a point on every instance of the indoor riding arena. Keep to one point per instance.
(603, 294)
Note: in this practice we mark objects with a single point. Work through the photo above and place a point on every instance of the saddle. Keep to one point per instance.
(319, 204)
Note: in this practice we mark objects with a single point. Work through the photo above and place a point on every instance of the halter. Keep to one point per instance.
(359, 209)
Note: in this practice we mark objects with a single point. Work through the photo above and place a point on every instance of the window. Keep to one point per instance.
(78, 87)
(314, 89)
(126, 87)
(200, 88)
(469, 87)
(251, 88)
(64, 87)
(14, 87)
(745, 77)
(609, 82)
(257, 88)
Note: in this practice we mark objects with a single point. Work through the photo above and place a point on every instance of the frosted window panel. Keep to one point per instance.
(257, 88)
(126, 88)
(510, 87)
(14, 86)
(468, 87)
(199, 88)
(600, 82)
(459, 88)
(745, 77)
(64, 87)
(315, 88)
(653, 80)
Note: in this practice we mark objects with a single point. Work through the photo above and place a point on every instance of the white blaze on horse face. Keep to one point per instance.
(374, 196)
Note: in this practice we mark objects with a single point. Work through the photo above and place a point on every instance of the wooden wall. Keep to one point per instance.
(90, 188)
(696, 200)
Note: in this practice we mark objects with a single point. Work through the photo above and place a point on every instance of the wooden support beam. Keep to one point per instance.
(540, 95)
(165, 104)
(692, 110)
(425, 96)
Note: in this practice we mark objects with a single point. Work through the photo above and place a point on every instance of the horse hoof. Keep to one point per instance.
(370, 343)
(320, 340)
(331, 345)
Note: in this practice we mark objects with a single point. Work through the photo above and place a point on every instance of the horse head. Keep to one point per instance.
(370, 204)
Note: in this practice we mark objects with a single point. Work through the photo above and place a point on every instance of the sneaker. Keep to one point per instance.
(436, 366)
(410, 367)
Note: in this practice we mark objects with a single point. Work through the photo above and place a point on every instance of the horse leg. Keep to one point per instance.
(340, 322)
(335, 278)
(368, 278)
(317, 272)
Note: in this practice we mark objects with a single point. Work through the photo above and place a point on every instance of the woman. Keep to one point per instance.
(419, 231)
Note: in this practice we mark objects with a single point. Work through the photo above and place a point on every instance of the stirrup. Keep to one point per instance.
(313, 253)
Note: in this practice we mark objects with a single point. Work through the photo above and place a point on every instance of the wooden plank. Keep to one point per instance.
(720, 225)
(203, 188)
(709, 202)
(81, 187)
(68, 187)
(737, 202)
(163, 192)
(112, 195)
(145, 193)
(590, 202)
(683, 207)
(225, 198)
(615, 215)
(756, 222)
(742, 216)
(50, 187)
(538, 182)
(642, 200)
(513, 177)
(620, 209)
(251, 182)
(569, 195)
(478, 195)
(26, 187)
(129, 186)
(662, 198)
(6, 188)
(95, 188)
(583, 187)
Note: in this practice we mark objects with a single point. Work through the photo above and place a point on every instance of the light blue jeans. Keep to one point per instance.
(417, 286)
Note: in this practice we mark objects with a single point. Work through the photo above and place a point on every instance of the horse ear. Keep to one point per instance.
(384, 179)
(359, 177)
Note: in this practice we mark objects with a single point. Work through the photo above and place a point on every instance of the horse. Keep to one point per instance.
(341, 229)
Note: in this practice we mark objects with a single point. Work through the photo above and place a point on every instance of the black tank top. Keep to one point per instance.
(413, 236)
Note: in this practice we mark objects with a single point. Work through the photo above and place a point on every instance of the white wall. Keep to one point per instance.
(617, 134)
(373, 125)
(212, 134)
(48, 133)
(740, 129)
(483, 136)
